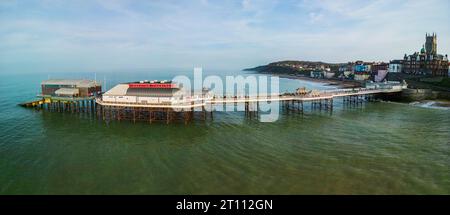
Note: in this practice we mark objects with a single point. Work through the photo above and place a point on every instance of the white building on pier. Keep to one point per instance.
(154, 93)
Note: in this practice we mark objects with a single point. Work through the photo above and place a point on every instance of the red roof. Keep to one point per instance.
(152, 85)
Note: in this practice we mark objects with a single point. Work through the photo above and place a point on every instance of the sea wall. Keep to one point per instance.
(418, 94)
(443, 95)
(424, 94)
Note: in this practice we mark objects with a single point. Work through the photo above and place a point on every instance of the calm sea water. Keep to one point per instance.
(379, 148)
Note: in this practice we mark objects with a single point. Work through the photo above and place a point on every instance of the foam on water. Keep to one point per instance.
(432, 104)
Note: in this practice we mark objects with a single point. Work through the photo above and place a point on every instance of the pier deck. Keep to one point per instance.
(320, 95)
(192, 107)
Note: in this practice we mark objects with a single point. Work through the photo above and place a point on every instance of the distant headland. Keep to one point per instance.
(425, 70)
(294, 66)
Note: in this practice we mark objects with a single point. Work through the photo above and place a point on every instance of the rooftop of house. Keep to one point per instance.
(396, 62)
(152, 82)
(71, 82)
(126, 90)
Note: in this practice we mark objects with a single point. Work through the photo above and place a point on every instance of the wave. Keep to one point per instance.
(444, 105)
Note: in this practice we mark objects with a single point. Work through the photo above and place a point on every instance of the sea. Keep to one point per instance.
(374, 148)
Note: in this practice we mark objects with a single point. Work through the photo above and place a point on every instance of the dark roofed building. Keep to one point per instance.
(395, 66)
(427, 61)
(70, 88)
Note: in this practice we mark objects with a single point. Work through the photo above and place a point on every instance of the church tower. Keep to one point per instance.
(431, 44)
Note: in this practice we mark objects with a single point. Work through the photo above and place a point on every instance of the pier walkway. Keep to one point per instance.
(196, 106)
(310, 96)
(185, 110)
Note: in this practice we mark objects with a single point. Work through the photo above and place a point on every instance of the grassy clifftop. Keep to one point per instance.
(273, 69)
(290, 66)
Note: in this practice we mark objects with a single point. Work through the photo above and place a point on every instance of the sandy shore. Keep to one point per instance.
(333, 82)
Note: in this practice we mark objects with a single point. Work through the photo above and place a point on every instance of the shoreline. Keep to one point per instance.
(329, 82)
(439, 104)
(343, 84)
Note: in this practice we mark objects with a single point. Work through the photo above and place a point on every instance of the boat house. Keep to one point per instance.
(70, 88)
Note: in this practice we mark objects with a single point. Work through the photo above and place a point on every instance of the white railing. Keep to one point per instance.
(202, 100)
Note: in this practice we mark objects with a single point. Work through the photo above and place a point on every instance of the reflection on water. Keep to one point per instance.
(377, 148)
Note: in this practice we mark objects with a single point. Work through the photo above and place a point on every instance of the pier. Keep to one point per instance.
(67, 95)
(164, 101)
(187, 111)
(63, 104)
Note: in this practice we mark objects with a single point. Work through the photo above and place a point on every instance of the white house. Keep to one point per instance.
(395, 66)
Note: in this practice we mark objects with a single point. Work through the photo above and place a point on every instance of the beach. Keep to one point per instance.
(332, 82)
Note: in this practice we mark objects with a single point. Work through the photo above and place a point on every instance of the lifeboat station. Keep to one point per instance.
(73, 95)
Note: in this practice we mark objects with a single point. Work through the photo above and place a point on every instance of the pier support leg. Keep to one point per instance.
(257, 106)
(118, 113)
(134, 115)
(204, 113)
(331, 105)
(212, 112)
(168, 116)
(301, 103)
(150, 115)
(103, 111)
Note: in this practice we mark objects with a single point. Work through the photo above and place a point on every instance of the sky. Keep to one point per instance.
(100, 35)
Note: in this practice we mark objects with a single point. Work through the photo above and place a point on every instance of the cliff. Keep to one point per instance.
(290, 66)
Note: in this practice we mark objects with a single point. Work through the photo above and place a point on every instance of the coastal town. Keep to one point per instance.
(420, 76)
(424, 69)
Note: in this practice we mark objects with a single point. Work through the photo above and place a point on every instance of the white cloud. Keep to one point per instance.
(224, 34)
(315, 17)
